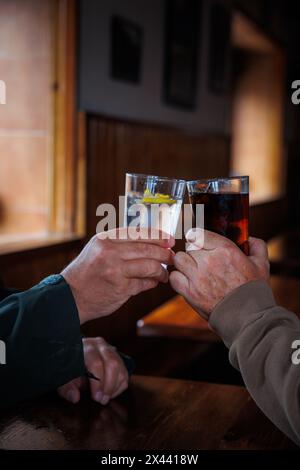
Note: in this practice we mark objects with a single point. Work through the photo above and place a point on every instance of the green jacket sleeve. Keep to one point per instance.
(41, 345)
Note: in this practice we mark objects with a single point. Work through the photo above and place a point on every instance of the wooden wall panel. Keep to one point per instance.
(116, 147)
(24, 269)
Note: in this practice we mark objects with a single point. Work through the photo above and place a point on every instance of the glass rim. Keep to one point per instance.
(157, 178)
(225, 178)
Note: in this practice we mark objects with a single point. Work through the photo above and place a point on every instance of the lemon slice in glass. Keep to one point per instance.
(157, 198)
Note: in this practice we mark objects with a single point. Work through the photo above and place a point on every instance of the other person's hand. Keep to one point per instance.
(205, 276)
(112, 267)
(103, 361)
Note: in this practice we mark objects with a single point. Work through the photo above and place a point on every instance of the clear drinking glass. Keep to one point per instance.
(226, 206)
(153, 202)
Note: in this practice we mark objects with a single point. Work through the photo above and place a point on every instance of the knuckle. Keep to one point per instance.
(100, 243)
(104, 248)
(180, 256)
(100, 341)
(148, 250)
(107, 348)
(231, 250)
(87, 341)
(181, 259)
(226, 252)
(89, 345)
(111, 273)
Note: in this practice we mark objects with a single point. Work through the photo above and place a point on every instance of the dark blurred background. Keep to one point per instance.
(184, 88)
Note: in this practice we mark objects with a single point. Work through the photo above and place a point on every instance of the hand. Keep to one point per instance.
(205, 276)
(103, 361)
(112, 267)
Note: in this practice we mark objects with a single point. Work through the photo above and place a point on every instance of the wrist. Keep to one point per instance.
(240, 307)
(82, 314)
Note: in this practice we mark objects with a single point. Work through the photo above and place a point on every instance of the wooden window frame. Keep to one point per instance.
(67, 219)
(279, 54)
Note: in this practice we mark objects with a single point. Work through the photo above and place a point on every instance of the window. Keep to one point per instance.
(258, 110)
(38, 162)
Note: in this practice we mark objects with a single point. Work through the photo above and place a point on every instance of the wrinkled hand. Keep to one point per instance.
(103, 361)
(205, 276)
(112, 267)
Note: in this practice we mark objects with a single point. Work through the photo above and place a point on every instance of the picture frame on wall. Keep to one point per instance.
(127, 39)
(181, 53)
(219, 38)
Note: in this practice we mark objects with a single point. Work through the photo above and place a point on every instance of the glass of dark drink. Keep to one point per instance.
(226, 206)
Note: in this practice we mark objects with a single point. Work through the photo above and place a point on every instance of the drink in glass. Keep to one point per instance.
(226, 206)
(153, 202)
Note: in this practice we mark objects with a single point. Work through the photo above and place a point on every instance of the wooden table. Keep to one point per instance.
(155, 413)
(173, 319)
(177, 319)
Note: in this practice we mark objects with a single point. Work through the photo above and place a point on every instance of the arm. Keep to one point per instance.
(40, 329)
(230, 290)
(6, 293)
(259, 335)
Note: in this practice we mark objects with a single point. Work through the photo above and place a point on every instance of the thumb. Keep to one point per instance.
(258, 249)
(70, 391)
(180, 283)
(259, 256)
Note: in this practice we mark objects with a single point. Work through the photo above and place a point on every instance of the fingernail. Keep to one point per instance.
(105, 399)
(195, 235)
(99, 396)
(71, 396)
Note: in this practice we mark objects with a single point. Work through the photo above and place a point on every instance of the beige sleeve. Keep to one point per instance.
(259, 335)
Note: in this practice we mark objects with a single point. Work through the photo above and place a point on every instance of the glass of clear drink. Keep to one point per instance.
(153, 202)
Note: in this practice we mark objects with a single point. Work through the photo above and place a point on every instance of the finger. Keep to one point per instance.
(180, 283)
(186, 264)
(259, 255)
(112, 368)
(142, 285)
(145, 235)
(195, 239)
(96, 367)
(209, 241)
(134, 250)
(70, 391)
(145, 268)
(123, 385)
(258, 248)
